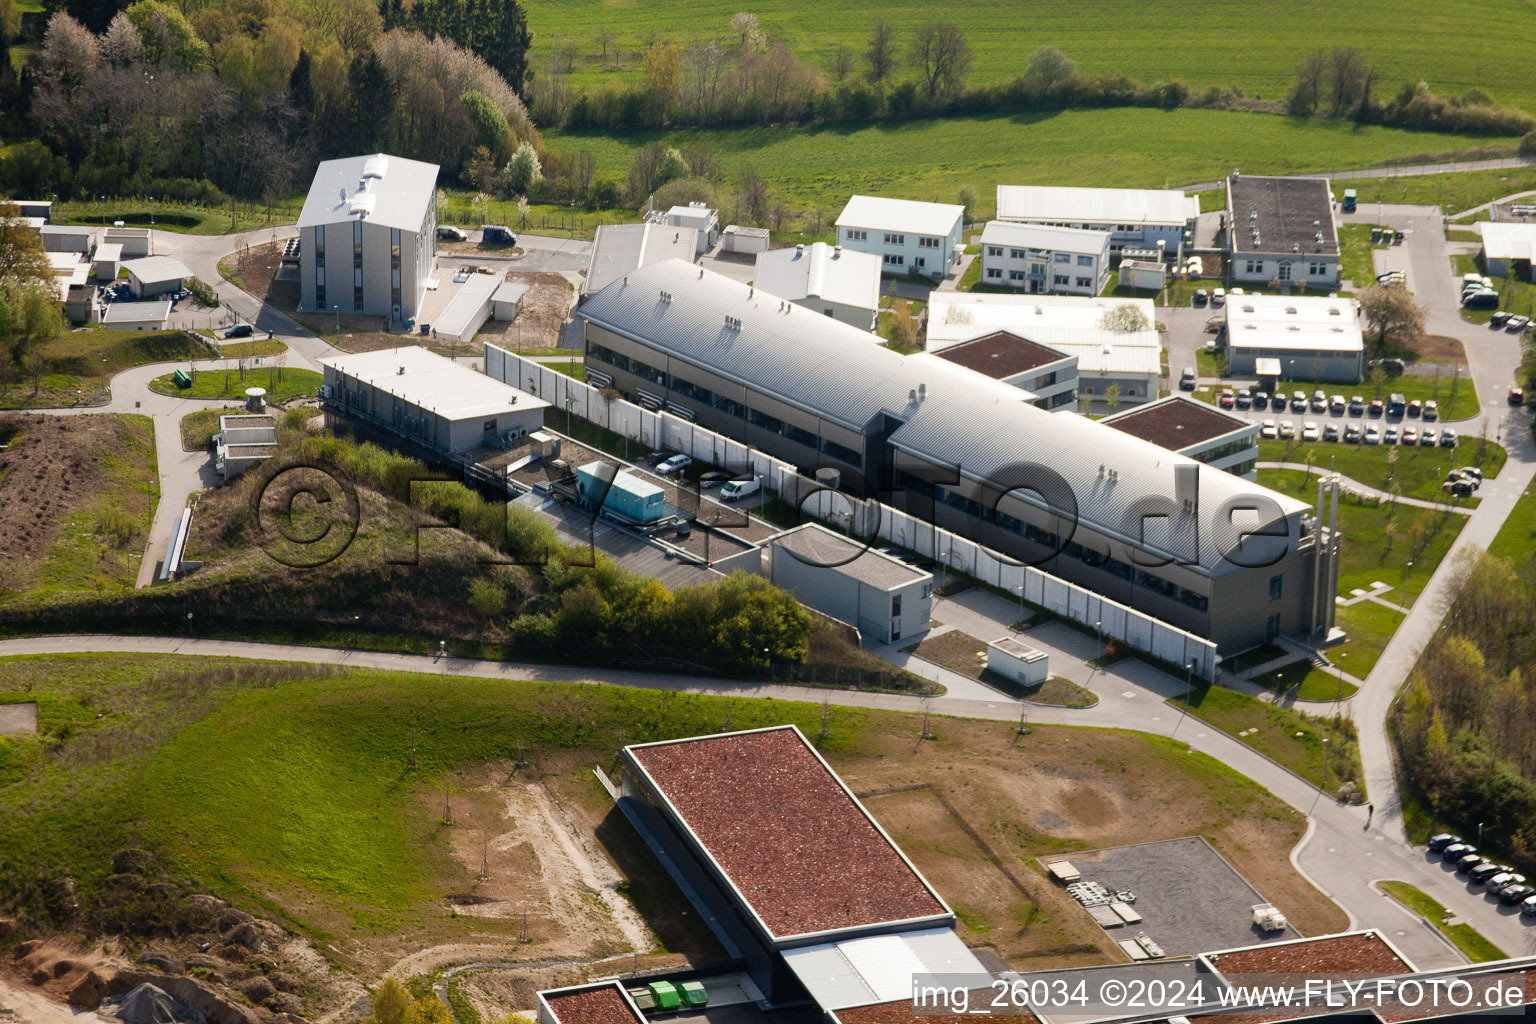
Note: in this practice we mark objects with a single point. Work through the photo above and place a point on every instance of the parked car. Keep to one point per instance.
(676, 464)
(1480, 298)
(1415, 408)
(1298, 401)
(1356, 405)
(1514, 895)
(1514, 879)
(1484, 872)
(497, 234)
(1447, 438)
(1187, 381)
(1455, 851)
(653, 458)
(1516, 396)
(1499, 881)
(1528, 907)
(1440, 840)
(449, 233)
(1330, 431)
(1261, 400)
(1410, 436)
(1516, 324)
(1244, 398)
(1468, 862)
(1372, 434)
(1309, 431)
(1498, 319)
(1267, 430)
(1352, 433)
(1201, 298)
(1457, 488)
(1396, 404)
(1319, 400)
(1336, 405)
(1389, 435)
(1226, 399)
(238, 331)
(1427, 437)
(1278, 401)
(1218, 297)
(1287, 429)
(1471, 471)
(1377, 407)
(1431, 409)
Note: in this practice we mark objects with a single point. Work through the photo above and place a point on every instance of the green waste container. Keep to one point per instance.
(181, 379)
(664, 994)
(694, 993)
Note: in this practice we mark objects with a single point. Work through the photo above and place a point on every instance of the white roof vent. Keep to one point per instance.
(375, 166)
(362, 203)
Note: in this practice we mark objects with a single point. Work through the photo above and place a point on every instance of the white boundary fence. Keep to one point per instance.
(662, 430)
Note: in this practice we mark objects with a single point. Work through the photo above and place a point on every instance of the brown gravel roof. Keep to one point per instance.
(1000, 355)
(1176, 424)
(791, 839)
(900, 1011)
(602, 1004)
(1362, 953)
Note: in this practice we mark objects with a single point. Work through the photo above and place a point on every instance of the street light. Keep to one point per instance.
(1325, 778)
(1189, 683)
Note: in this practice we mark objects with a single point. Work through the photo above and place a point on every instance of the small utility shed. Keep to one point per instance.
(884, 597)
(507, 299)
(1507, 245)
(133, 241)
(1018, 661)
(429, 399)
(242, 442)
(468, 310)
(155, 275)
(150, 315)
(742, 239)
(697, 216)
(108, 258)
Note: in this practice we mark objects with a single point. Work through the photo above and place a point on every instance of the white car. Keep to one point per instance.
(1373, 434)
(675, 464)
(1287, 429)
(1309, 431)
(1267, 430)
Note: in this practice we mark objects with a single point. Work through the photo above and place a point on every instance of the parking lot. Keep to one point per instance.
(1190, 899)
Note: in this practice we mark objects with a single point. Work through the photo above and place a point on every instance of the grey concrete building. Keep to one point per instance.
(156, 275)
(428, 399)
(1311, 337)
(368, 236)
(1281, 229)
(1205, 551)
(885, 598)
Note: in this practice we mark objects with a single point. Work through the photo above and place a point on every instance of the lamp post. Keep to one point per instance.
(1325, 778)
(1189, 683)
(1340, 669)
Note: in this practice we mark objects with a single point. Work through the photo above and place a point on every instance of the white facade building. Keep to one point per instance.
(1044, 260)
(1281, 230)
(841, 283)
(909, 237)
(1136, 218)
(1312, 337)
(368, 236)
(1505, 243)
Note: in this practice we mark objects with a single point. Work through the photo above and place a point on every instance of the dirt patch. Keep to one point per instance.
(60, 479)
(18, 718)
(546, 307)
(955, 651)
(1438, 348)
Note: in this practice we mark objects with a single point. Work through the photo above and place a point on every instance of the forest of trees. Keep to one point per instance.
(1465, 721)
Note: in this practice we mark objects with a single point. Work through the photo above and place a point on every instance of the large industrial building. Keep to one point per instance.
(429, 399)
(1281, 230)
(1116, 514)
(368, 236)
(1156, 220)
(1315, 337)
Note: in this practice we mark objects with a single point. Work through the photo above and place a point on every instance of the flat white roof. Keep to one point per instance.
(1070, 324)
(375, 188)
(1295, 322)
(878, 968)
(66, 229)
(834, 273)
(693, 216)
(109, 252)
(152, 311)
(1042, 236)
(432, 382)
(1503, 240)
(64, 262)
(900, 215)
(157, 269)
(1098, 205)
(467, 303)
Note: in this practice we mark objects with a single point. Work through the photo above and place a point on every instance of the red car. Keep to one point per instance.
(1376, 408)
(1226, 399)
(1516, 396)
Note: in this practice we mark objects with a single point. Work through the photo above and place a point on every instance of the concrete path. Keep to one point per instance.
(1405, 171)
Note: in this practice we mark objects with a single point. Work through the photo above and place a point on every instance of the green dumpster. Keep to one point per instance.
(694, 993)
(664, 993)
(181, 379)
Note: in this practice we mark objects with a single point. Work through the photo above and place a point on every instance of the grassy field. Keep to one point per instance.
(819, 167)
(1291, 738)
(1417, 472)
(317, 796)
(1516, 539)
(1355, 254)
(1441, 44)
(1463, 936)
(281, 383)
(1452, 192)
(198, 428)
(80, 363)
(190, 218)
(570, 367)
(1309, 682)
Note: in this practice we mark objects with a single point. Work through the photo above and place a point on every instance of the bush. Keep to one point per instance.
(198, 287)
(1528, 143)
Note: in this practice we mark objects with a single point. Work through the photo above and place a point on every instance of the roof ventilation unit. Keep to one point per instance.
(375, 166)
(666, 296)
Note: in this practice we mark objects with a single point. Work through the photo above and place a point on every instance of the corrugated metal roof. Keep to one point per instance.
(157, 269)
(902, 215)
(619, 249)
(878, 968)
(376, 188)
(1097, 205)
(964, 418)
(1044, 236)
(832, 273)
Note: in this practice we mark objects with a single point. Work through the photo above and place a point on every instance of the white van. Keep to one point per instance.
(735, 490)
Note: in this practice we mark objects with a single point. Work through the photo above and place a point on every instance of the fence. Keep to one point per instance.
(661, 430)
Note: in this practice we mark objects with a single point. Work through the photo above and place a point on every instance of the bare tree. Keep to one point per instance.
(606, 38)
(703, 64)
(881, 53)
(842, 62)
(754, 196)
(941, 56)
(1347, 74)
(1311, 80)
(583, 172)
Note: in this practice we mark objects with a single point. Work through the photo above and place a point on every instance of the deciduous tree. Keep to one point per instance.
(941, 56)
(881, 52)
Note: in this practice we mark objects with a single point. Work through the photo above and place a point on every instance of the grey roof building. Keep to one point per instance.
(1107, 510)
(1281, 229)
(618, 249)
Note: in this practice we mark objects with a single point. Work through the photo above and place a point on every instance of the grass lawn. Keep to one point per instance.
(1452, 192)
(885, 324)
(1462, 235)
(1291, 738)
(1314, 683)
(1355, 254)
(1463, 936)
(1058, 691)
(570, 367)
(1419, 535)
(1417, 472)
(1516, 539)
(956, 651)
(198, 428)
(189, 218)
(281, 383)
(84, 361)
(818, 167)
(1210, 364)
(1253, 49)
(247, 349)
(317, 795)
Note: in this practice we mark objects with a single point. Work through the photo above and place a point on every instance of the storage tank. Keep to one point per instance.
(628, 495)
